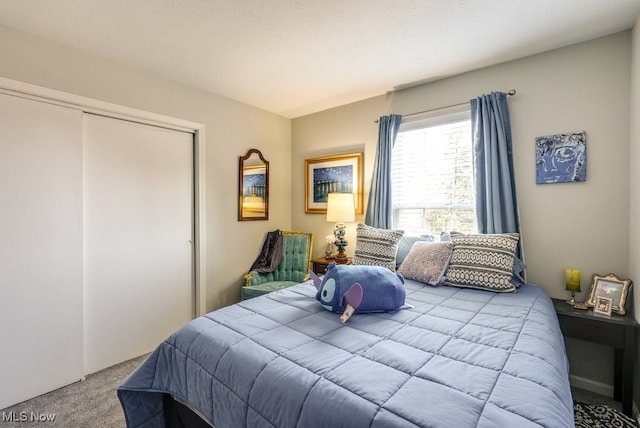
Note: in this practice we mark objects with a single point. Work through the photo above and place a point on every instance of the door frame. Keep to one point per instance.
(91, 105)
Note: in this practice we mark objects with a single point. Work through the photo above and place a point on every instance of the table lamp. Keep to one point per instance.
(340, 208)
(572, 283)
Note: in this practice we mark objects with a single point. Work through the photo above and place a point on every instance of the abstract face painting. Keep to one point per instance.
(561, 158)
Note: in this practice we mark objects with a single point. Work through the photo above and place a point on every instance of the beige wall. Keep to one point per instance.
(346, 129)
(584, 87)
(580, 88)
(231, 129)
(634, 182)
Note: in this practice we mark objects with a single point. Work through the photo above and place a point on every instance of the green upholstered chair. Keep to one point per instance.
(294, 267)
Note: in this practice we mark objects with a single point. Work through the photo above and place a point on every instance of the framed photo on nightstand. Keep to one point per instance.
(603, 306)
(612, 287)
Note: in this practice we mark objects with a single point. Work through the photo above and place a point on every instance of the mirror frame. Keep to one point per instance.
(242, 216)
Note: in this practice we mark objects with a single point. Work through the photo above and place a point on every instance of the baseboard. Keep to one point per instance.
(591, 385)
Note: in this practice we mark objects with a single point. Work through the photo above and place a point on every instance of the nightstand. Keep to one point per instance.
(617, 331)
(320, 264)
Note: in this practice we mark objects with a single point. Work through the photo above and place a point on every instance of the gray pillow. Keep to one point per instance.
(518, 272)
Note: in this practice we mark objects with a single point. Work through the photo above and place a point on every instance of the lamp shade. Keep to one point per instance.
(341, 207)
(572, 279)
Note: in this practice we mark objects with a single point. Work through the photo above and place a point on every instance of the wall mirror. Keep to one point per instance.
(253, 187)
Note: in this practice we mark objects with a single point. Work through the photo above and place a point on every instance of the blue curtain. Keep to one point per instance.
(496, 203)
(379, 206)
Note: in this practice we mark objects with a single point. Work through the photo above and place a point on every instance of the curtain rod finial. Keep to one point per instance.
(511, 92)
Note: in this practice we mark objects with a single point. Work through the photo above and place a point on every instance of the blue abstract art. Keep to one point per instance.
(561, 158)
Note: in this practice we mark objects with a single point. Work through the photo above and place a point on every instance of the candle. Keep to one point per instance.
(572, 279)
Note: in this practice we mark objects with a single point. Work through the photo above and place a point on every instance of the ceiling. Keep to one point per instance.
(296, 57)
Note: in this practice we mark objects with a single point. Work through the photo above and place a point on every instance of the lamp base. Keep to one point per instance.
(341, 257)
(572, 301)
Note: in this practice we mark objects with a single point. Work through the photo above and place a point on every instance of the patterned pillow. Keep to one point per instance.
(426, 262)
(483, 261)
(376, 247)
(405, 244)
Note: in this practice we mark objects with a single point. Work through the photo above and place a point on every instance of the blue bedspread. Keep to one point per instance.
(458, 358)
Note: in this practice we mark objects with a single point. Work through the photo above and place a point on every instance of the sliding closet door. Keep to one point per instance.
(138, 234)
(40, 248)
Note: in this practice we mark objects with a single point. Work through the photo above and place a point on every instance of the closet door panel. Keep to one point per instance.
(138, 234)
(40, 248)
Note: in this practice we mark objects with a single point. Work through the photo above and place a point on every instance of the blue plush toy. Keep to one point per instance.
(353, 288)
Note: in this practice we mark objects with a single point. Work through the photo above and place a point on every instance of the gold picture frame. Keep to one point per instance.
(612, 287)
(332, 174)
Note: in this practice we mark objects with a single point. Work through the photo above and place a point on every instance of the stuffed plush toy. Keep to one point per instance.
(353, 288)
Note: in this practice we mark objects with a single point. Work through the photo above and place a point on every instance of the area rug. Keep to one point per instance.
(600, 416)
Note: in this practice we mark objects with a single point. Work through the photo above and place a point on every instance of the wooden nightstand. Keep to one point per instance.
(320, 264)
(617, 331)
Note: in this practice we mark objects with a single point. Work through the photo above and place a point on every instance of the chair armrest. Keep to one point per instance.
(247, 279)
(256, 278)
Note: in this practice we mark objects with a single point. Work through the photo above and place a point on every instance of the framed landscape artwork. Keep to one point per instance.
(332, 174)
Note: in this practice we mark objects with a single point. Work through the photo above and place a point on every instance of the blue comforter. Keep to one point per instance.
(458, 358)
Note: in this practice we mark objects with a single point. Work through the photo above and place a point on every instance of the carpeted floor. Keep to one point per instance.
(89, 403)
(93, 403)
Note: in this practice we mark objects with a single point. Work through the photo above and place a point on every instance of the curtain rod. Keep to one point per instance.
(511, 93)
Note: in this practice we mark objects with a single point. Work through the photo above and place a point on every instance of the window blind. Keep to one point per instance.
(432, 176)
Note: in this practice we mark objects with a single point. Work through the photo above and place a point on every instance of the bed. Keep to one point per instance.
(458, 357)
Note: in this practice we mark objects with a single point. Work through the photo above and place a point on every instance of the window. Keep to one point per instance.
(433, 176)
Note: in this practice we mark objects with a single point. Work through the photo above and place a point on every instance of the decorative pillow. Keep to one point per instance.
(426, 262)
(518, 272)
(483, 261)
(446, 236)
(376, 247)
(405, 244)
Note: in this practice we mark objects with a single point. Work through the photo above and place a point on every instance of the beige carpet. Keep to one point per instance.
(89, 403)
